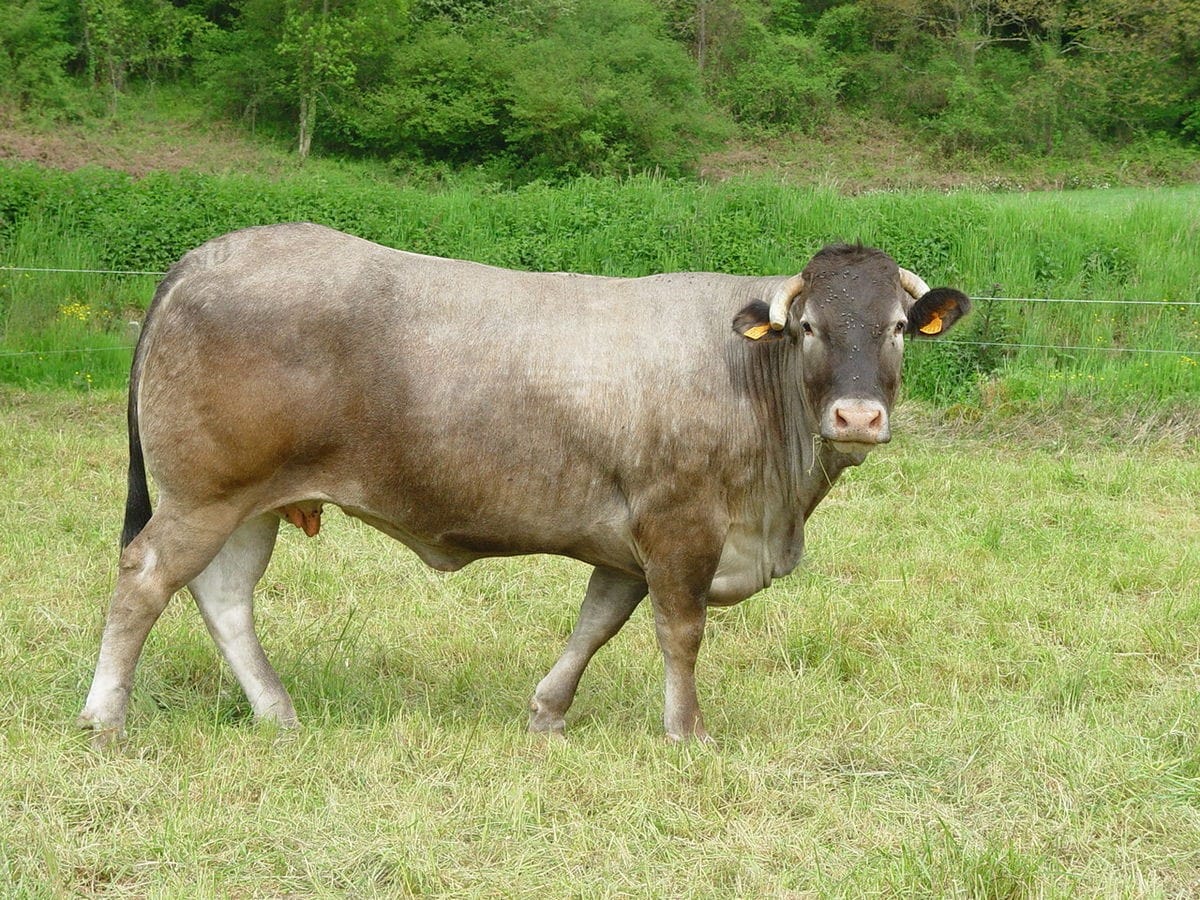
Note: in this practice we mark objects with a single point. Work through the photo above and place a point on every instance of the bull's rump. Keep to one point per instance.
(469, 410)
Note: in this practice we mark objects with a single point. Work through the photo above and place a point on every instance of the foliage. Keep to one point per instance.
(845, 29)
(604, 91)
(790, 82)
(553, 91)
(137, 38)
(445, 100)
(1043, 75)
(310, 62)
(596, 89)
(551, 88)
(33, 55)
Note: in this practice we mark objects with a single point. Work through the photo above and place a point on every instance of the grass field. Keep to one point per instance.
(983, 682)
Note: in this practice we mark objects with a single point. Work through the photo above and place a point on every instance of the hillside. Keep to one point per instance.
(853, 95)
(165, 130)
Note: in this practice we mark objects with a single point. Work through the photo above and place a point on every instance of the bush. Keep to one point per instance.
(442, 100)
(605, 91)
(791, 82)
(845, 29)
(598, 89)
(977, 116)
(33, 55)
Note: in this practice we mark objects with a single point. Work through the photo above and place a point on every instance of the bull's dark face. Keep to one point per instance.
(848, 323)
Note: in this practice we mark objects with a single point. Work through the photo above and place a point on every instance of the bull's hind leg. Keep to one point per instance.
(610, 599)
(224, 592)
(168, 552)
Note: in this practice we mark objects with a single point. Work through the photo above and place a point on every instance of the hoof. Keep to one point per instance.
(699, 737)
(547, 726)
(544, 722)
(102, 736)
(284, 723)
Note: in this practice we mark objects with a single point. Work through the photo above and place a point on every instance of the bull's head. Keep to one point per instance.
(847, 315)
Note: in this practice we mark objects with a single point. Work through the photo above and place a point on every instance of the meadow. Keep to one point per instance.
(981, 683)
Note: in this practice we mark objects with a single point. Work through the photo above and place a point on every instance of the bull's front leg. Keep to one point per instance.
(679, 578)
(679, 623)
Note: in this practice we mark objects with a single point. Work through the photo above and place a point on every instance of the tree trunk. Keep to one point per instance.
(308, 116)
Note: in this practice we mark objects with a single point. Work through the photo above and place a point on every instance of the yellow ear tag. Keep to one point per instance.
(933, 326)
(756, 332)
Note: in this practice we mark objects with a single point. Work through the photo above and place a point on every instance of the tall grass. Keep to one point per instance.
(64, 329)
(1098, 245)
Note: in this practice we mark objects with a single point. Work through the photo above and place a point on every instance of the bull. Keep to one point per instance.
(674, 432)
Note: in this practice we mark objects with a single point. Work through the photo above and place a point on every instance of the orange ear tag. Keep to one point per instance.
(933, 326)
(756, 332)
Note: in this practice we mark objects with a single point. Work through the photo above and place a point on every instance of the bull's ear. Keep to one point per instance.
(753, 322)
(936, 312)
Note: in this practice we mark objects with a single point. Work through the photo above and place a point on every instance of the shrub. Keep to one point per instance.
(596, 89)
(790, 82)
(845, 29)
(33, 55)
(442, 100)
(604, 90)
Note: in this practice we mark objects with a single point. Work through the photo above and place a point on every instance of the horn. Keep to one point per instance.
(781, 300)
(913, 284)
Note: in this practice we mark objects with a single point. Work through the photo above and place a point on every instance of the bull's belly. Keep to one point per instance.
(448, 550)
(750, 559)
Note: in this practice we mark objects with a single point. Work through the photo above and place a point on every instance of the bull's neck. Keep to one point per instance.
(798, 464)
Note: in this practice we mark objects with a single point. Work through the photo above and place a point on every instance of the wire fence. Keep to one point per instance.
(1006, 345)
(58, 271)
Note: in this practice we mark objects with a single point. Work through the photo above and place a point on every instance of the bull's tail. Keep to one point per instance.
(137, 498)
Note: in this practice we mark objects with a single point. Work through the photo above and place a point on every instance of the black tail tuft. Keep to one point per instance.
(137, 500)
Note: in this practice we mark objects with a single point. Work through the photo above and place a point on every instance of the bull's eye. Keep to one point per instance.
(806, 328)
(900, 327)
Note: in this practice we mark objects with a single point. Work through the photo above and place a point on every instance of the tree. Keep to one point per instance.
(122, 38)
(33, 53)
(605, 90)
(789, 82)
(542, 88)
(709, 28)
(240, 65)
(108, 41)
(316, 46)
(289, 60)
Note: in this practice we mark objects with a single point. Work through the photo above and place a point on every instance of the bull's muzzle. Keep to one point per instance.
(857, 423)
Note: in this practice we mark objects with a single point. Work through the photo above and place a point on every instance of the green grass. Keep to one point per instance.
(981, 683)
(1100, 245)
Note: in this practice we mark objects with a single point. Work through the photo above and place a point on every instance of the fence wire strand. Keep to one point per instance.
(28, 269)
(7, 353)
(1098, 347)
(1163, 304)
